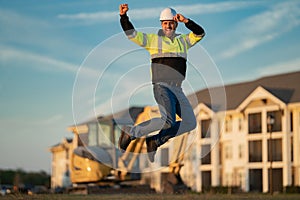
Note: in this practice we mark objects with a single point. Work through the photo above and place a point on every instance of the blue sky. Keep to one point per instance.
(62, 61)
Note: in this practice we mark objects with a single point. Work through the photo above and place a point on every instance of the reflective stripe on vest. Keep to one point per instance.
(160, 53)
(134, 34)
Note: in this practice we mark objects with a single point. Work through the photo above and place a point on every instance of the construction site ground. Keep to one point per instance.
(152, 196)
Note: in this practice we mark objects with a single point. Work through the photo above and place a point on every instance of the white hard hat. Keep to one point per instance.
(167, 14)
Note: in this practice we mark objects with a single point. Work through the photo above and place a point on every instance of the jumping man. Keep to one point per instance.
(168, 52)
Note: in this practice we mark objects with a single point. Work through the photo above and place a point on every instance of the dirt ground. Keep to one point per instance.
(190, 196)
(146, 193)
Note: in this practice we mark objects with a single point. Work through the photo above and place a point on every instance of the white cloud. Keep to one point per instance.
(15, 23)
(147, 13)
(16, 57)
(263, 27)
(97, 16)
(279, 68)
(39, 33)
(215, 7)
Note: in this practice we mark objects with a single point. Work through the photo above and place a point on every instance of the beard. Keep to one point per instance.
(169, 32)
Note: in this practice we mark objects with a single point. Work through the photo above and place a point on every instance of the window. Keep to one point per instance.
(255, 151)
(205, 154)
(254, 123)
(228, 125)
(277, 177)
(206, 180)
(205, 128)
(228, 151)
(292, 149)
(294, 171)
(104, 133)
(220, 153)
(291, 122)
(117, 134)
(277, 120)
(255, 177)
(240, 124)
(99, 134)
(276, 150)
(92, 134)
(241, 151)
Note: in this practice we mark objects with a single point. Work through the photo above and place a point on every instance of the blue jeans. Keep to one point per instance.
(171, 101)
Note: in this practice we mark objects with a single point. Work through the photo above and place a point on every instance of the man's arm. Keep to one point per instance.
(195, 28)
(124, 20)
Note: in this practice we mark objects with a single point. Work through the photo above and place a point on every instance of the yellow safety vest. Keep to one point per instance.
(162, 46)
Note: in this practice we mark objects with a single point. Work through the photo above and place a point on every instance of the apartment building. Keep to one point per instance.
(241, 146)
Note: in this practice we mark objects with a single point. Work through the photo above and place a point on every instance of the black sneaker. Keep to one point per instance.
(124, 139)
(151, 148)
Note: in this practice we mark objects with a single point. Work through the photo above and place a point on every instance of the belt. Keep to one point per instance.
(171, 83)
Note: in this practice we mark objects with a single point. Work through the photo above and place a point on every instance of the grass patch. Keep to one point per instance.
(189, 196)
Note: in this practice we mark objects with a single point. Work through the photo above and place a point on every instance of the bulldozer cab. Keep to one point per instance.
(95, 157)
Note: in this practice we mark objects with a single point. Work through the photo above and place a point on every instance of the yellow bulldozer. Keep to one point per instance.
(96, 159)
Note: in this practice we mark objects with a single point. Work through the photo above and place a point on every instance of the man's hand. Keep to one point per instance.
(123, 9)
(180, 18)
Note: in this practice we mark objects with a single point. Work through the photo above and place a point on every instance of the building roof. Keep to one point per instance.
(285, 87)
